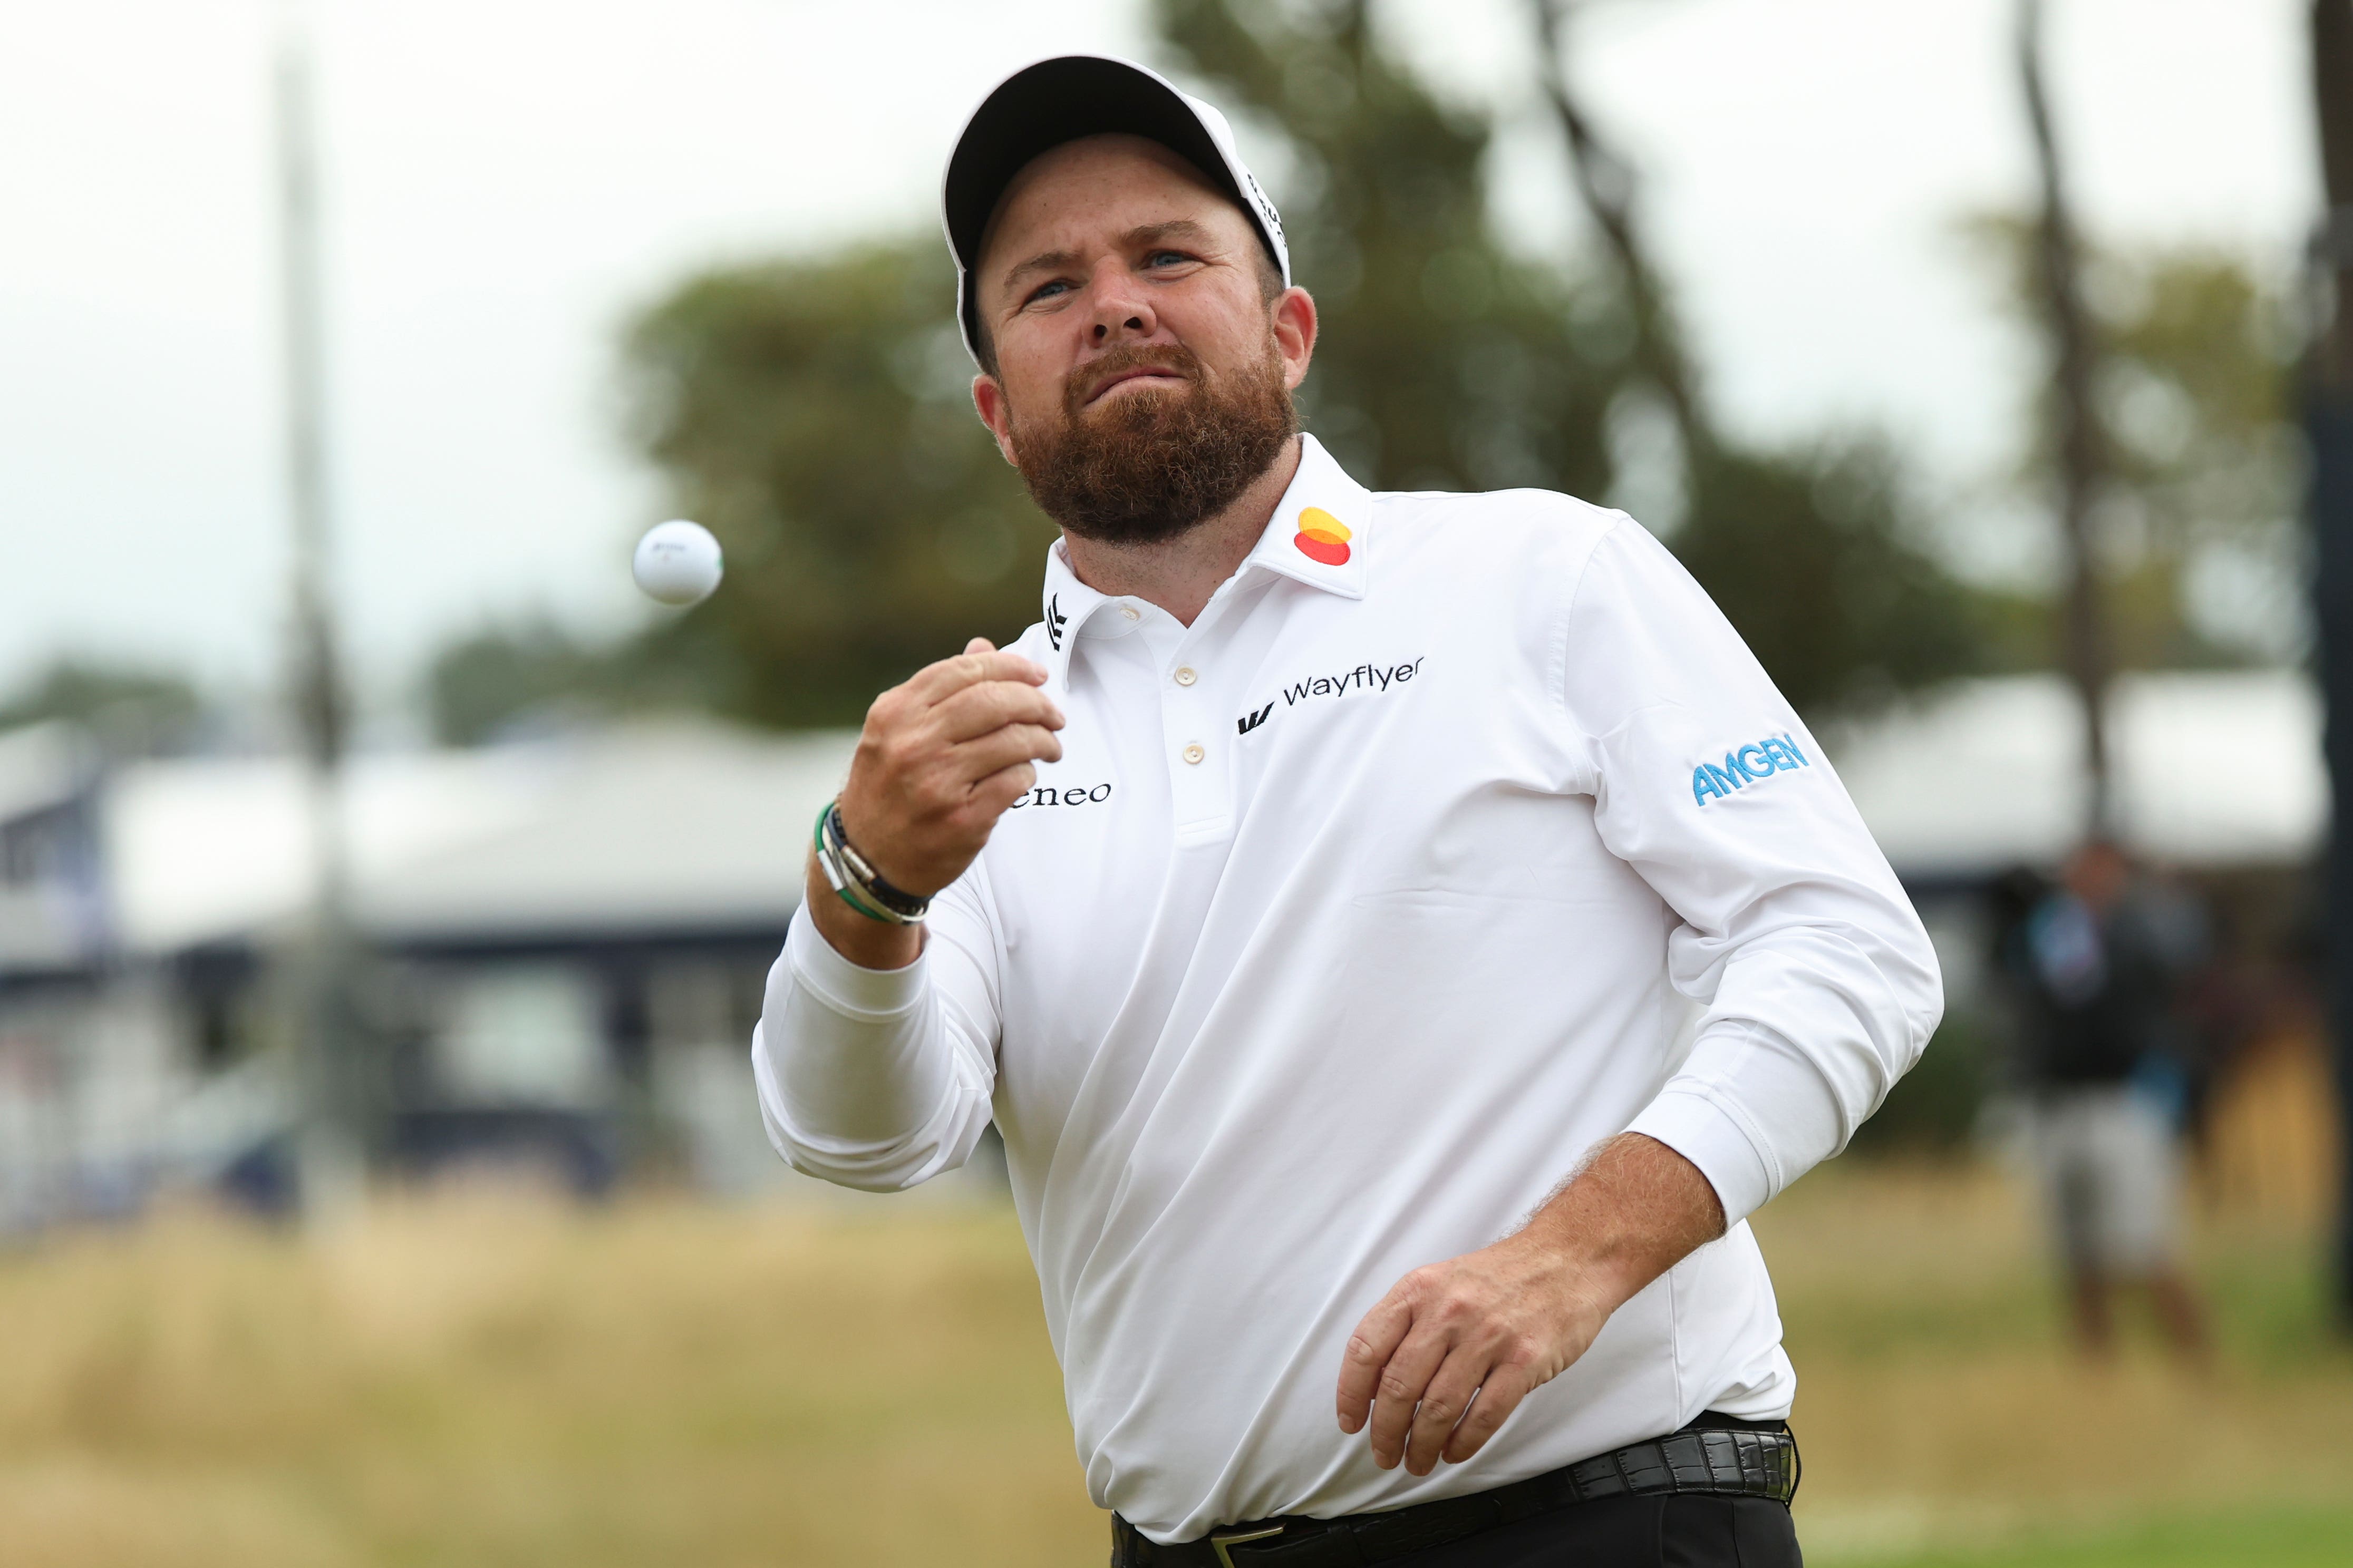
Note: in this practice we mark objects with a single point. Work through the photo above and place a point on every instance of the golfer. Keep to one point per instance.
(1399, 937)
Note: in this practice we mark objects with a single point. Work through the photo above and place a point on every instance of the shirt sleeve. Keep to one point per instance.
(1819, 984)
(881, 1079)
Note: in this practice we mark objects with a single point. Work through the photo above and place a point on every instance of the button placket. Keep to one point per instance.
(1198, 784)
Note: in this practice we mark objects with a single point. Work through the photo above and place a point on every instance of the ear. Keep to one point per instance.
(1294, 334)
(988, 401)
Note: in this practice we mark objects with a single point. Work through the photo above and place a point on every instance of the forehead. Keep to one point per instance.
(1097, 188)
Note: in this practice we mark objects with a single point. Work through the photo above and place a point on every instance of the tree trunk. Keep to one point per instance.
(2328, 422)
(2083, 639)
(1605, 186)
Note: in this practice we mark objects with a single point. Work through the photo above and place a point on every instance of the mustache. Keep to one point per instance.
(1172, 357)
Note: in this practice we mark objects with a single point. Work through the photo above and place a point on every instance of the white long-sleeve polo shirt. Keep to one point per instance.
(1353, 916)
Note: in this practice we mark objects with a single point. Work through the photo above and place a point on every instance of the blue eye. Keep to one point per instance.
(1167, 258)
(1047, 291)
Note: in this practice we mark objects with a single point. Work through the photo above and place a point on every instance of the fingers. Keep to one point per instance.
(976, 760)
(1450, 1393)
(937, 682)
(1402, 1385)
(1369, 1351)
(995, 794)
(1499, 1395)
(989, 705)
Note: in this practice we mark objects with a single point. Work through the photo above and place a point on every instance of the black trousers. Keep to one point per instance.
(1631, 1532)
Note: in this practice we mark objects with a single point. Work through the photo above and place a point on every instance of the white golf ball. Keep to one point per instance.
(678, 562)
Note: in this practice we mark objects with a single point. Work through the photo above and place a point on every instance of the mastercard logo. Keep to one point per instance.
(1322, 537)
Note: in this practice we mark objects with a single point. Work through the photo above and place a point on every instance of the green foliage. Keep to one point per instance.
(131, 710)
(1447, 362)
(1934, 1108)
(1444, 362)
(497, 678)
(1810, 554)
(815, 415)
(2199, 443)
(2283, 1535)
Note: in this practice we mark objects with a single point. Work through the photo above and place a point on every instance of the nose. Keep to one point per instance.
(1122, 309)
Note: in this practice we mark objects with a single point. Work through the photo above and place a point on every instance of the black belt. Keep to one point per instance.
(1715, 1455)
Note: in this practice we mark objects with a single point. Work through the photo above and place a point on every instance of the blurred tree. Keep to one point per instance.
(1444, 362)
(130, 710)
(503, 678)
(2192, 522)
(814, 413)
(1817, 553)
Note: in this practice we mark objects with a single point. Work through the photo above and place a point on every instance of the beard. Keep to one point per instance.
(1159, 460)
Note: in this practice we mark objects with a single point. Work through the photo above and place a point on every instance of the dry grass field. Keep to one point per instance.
(491, 1380)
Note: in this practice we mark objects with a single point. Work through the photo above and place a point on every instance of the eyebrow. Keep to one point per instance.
(1183, 228)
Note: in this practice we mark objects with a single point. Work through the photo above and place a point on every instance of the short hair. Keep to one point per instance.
(1269, 288)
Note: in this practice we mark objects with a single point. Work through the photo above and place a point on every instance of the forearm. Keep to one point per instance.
(862, 1076)
(1634, 1211)
(1752, 1112)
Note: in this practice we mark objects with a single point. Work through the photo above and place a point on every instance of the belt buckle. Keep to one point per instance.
(1217, 1543)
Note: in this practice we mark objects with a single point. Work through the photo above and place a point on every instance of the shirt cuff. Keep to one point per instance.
(843, 987)
(1695, 1126)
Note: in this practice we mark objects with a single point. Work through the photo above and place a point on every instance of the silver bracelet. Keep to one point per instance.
(855, 881)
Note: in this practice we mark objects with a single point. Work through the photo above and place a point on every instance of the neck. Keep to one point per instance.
(1179, 574)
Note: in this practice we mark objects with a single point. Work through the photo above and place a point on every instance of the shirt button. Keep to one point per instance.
(1131, 612)
(1185, 676)
(1194, 753)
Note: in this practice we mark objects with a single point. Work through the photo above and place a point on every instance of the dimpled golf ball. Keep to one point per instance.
(678, 562)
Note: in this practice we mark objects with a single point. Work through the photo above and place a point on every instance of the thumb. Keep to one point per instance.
(980, 644)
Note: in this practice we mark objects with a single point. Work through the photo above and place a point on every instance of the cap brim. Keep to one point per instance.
(1057, 100)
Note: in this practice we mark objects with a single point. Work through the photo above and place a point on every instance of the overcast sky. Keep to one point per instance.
(509, 179)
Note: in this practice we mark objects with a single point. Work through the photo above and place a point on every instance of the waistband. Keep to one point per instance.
(1715, 1455)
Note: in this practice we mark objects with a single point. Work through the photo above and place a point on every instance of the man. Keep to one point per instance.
(2099, 958)
(1311, 893)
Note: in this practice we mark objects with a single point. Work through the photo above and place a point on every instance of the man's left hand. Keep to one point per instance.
(1477, 1332)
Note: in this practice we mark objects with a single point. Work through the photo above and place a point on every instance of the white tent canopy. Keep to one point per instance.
(689, 825)
(2210, 770)
(643, 827)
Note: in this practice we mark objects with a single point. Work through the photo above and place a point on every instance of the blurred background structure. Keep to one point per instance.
(1978, 356)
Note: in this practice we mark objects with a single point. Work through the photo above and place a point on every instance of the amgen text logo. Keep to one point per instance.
(1747, 765)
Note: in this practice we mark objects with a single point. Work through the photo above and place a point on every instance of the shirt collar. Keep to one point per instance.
(1316, 537)
(1317, 533)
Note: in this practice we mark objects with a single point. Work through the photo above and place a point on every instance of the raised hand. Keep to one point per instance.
(941, 758)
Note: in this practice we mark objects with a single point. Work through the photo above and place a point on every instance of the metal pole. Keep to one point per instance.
(329, 1146)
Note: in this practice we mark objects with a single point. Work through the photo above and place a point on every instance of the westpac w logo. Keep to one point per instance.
(1746, 765)
(1249, 721)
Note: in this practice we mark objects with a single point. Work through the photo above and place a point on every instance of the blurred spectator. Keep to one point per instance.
(2097, 961)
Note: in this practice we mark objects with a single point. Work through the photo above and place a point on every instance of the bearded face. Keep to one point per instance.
(1158, 459)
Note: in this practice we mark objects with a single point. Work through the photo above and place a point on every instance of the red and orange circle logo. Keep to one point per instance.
(1322, 537)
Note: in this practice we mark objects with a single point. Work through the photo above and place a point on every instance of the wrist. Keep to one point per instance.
(854, 879)
(867, 943)
(1635, 1210)
(1580, 1271)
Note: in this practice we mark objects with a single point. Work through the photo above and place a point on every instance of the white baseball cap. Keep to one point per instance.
(1061, 100)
